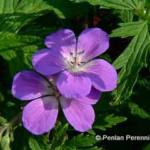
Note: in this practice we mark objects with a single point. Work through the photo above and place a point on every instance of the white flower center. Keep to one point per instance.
(74, 62)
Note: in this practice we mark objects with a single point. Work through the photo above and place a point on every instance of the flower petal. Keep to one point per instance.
(103, 75)
(39, 116)
(48, 62)
(63, 39)
(28, 85)
(92, 98)
(81, 116)
(73, 85)
(93, 41)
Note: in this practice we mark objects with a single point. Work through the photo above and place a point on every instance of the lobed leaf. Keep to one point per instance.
(137, 111)
(108, 121)
(127, 29)
(5, 142)
(81, 141)
(115, 4)
(34, 145)
(131, 61)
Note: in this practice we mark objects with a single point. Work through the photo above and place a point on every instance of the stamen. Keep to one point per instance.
(71, 62)
(74, 61)
(71, 53)
(81, 63)
(81, 52)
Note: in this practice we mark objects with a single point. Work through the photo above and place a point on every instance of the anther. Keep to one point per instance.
(81, 52)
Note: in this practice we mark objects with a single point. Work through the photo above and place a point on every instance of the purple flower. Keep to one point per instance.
(71, 61)
(40, 114)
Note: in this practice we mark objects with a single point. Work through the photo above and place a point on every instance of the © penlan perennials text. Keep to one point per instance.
(126, 137)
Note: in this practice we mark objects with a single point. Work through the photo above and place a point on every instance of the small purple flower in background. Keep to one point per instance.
(40, 114)
(70, 61)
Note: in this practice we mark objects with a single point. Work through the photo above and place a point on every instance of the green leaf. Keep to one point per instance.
(14, 14)
(10, 41)
(60, 135)
(30, 6)
(2, 120)
(39, 143)
(81, 141)
(131, 61)
(119, 4)
(5, 142)
(116, 4)
(126, 15)
(137, 41)
(137, 111)
(21, 6)
(108, 121)
(127, 29)
(34, 145)
(7, 6)
(17, 50)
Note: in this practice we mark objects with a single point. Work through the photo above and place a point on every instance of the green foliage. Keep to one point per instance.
(5, 142)
(19, 50)
(116, 4)
(131, 61)
(81, 142)
(34, 145)
(127, 29)
(60, 136)
(2, 120)
(108, 121)
(23, 27)
(137, 111)
(15, 14)
(126, 15)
